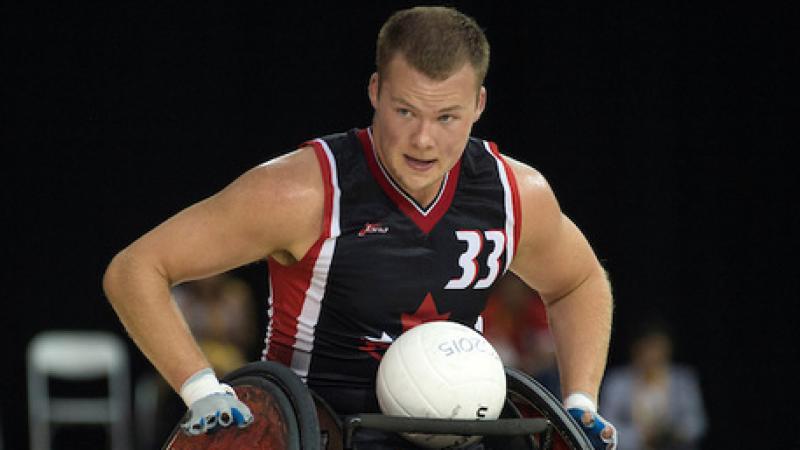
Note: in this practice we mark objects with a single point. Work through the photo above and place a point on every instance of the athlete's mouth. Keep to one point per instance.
(419, 164)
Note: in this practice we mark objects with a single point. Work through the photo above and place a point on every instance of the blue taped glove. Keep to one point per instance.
(211, 404)
(578, 405)
(216, 410)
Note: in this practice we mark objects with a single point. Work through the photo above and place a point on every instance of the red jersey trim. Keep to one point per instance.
(515, 200)
(425, 220)
(291, 284)
(327, 182)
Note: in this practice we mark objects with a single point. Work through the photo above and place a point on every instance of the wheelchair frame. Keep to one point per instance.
(301, 420)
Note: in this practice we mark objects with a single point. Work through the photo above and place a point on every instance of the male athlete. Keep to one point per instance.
(370, 232)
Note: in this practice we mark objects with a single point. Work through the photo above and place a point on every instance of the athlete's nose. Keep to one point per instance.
(422, 137)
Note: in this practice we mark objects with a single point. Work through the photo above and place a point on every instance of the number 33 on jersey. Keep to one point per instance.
(475, 243)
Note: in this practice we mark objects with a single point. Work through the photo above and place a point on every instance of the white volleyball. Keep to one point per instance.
(441, 370)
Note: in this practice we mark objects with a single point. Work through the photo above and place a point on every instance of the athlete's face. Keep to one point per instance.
(421, 126)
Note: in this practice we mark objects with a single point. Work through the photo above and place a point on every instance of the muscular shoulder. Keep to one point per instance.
(282, 199)
(553, 256)
(283, 181)
(529, 180)
(540, 211)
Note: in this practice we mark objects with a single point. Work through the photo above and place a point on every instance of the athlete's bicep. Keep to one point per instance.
(272, 208)
(553, 255)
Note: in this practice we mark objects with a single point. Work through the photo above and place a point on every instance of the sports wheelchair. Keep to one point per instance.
(289, 416)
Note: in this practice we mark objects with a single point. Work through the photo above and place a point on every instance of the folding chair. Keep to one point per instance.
(79, 357)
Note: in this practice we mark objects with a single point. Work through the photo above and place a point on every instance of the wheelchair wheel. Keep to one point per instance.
(530, 399)
(330, 424)
(284, 411)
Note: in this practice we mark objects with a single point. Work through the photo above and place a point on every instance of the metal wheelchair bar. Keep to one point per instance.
(498, 427)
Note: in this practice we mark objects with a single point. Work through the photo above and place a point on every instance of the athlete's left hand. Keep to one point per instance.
(601, 433)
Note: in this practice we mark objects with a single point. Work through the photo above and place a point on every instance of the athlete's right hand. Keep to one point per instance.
(211, 404)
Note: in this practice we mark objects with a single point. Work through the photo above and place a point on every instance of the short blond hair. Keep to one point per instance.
(435, 40)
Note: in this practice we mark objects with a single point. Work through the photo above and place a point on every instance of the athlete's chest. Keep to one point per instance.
(382, 252)
(390, 257)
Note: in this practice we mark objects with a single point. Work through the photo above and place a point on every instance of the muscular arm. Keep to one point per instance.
(555, 258)
(245, 222)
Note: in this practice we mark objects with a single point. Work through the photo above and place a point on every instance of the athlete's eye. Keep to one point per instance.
(445, 118)
(403, 112)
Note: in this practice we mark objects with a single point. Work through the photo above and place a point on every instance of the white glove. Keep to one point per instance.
(211, 404)
(600, 432)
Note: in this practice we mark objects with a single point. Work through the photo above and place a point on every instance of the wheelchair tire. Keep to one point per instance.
(295, 390)
(284, 411)
(532, 399)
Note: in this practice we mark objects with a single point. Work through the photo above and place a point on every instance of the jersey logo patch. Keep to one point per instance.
(373, 228)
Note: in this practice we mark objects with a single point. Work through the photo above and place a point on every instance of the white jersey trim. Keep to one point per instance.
(312, 303)
(270, 312)
(508, 204)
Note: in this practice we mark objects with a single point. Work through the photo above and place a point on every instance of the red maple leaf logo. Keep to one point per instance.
(426, 312)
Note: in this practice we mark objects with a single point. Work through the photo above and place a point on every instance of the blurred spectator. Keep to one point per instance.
(655, 403)
(221, 312)
(515, 322)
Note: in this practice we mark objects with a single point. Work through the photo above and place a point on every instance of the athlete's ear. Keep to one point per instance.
(373, 89)
(481, 103)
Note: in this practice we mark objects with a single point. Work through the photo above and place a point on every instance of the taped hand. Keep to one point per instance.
(212, 404)
(601, 433)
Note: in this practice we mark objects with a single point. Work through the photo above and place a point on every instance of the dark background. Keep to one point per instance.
(663, 129)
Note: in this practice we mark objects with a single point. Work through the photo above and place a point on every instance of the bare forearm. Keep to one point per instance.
(140, 296)
(581, 326)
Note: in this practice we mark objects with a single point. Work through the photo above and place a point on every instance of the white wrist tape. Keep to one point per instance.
(201, 384)
(580, 400)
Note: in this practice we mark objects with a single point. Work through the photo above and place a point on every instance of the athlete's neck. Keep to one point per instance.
(424, 197)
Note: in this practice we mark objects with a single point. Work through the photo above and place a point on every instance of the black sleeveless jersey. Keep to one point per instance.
(383, 264)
